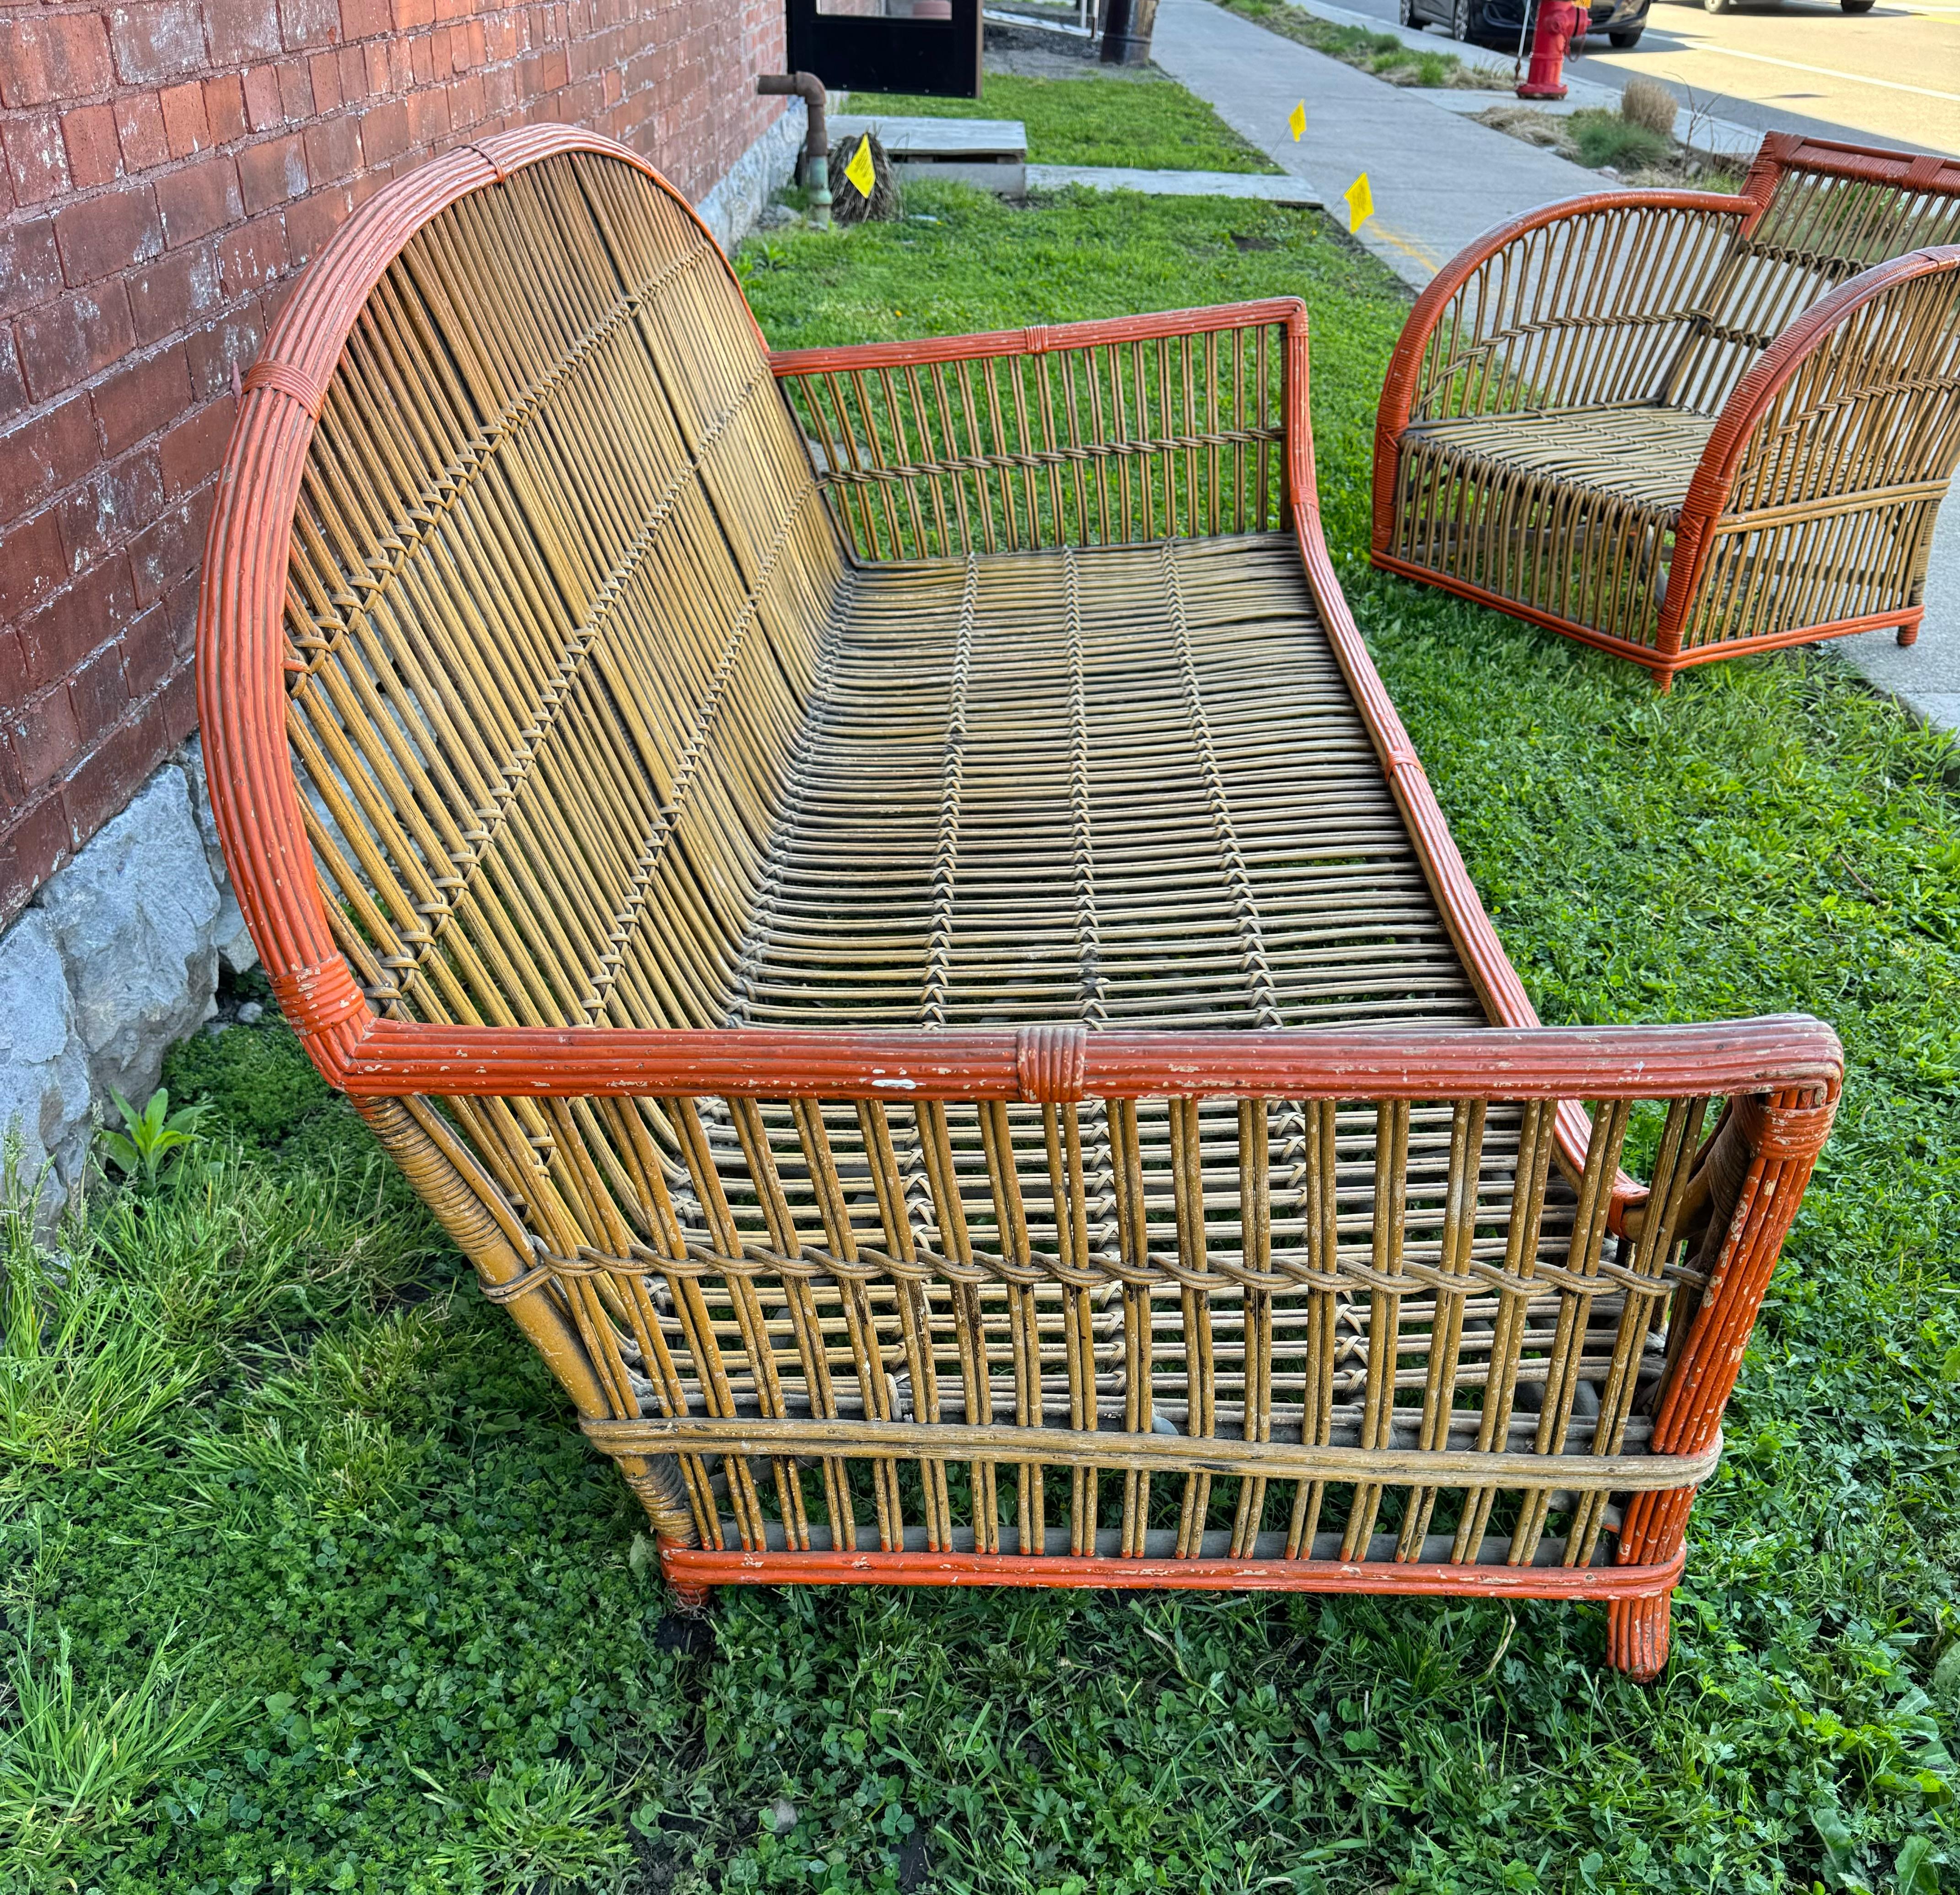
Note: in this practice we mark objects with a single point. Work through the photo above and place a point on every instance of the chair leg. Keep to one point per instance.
(1636, 1635)
(1663, 678)
(1909, 633)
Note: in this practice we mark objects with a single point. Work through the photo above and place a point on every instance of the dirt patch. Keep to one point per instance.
(1052, 56)
(1529, 126)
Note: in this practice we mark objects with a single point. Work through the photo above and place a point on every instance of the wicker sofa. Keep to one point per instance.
(1676, 425)
(877, 895)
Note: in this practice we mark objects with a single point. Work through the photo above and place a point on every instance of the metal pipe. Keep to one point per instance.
(1126, 32)
(807, 87)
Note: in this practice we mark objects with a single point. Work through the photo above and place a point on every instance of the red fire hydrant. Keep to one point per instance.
(1560, 23)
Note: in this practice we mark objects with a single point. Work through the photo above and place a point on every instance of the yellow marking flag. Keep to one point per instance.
(860, 170)
(1361, 202)
(1297, 121)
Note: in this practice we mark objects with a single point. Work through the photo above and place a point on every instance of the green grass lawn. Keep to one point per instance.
(410, 1639)
(1092, 120)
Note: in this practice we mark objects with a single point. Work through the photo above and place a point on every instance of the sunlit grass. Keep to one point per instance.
(79, 1762)
(1092, 120)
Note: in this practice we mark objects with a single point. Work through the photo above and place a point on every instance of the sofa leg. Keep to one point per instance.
(688, 1599)
(1909, 633)
(1636, 1635)
(689, 1596)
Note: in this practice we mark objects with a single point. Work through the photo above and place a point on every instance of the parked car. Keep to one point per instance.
(1501, 23)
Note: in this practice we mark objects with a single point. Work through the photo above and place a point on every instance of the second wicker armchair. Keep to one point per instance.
(1678, 426)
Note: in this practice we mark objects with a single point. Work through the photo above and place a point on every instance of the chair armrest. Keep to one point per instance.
(1574, 305)
(1082, 434)
(1846, 418)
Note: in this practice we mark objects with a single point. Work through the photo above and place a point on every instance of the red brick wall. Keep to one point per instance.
(169, 165)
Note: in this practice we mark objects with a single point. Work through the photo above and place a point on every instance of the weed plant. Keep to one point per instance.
(76, 1763)
(435, 1654)
(1610, 137)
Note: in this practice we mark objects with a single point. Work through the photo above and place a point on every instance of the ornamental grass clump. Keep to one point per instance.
(1648, 104)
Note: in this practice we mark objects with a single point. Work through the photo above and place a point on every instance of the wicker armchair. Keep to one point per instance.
(876, 894)
(1676, 425)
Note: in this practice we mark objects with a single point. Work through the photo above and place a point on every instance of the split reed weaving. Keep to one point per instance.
(1678, 426)
(821, 774)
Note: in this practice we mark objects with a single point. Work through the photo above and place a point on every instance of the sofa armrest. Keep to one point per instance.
(1082, 434)
(1575, 305)
(398, 1058)
(1254, 1181)
(1814, 500)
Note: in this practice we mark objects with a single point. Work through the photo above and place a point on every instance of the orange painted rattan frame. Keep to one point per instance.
(1714, 479)
(1794, 1065)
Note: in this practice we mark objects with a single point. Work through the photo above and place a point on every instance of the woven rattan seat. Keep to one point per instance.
(1642, 458)
(1677, 425)
(1106, 702)
(877, 895)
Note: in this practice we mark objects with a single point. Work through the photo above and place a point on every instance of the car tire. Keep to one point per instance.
(1716, 6)
(1405, 13)
(1625, 42)
(1459, 19)
(1856, 6)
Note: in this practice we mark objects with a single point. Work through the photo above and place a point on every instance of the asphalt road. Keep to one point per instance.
(1889, 77)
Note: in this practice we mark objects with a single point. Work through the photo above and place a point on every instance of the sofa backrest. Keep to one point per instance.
(1830, 211)
(559, 569)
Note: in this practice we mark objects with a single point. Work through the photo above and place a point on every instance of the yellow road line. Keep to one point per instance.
(1409, 247)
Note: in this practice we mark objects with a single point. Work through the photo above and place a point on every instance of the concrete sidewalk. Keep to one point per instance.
(1438, 181)
(1707, 133)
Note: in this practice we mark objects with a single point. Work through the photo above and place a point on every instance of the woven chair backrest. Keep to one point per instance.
(558, 573)
(1831, 213)
(1871, 408)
